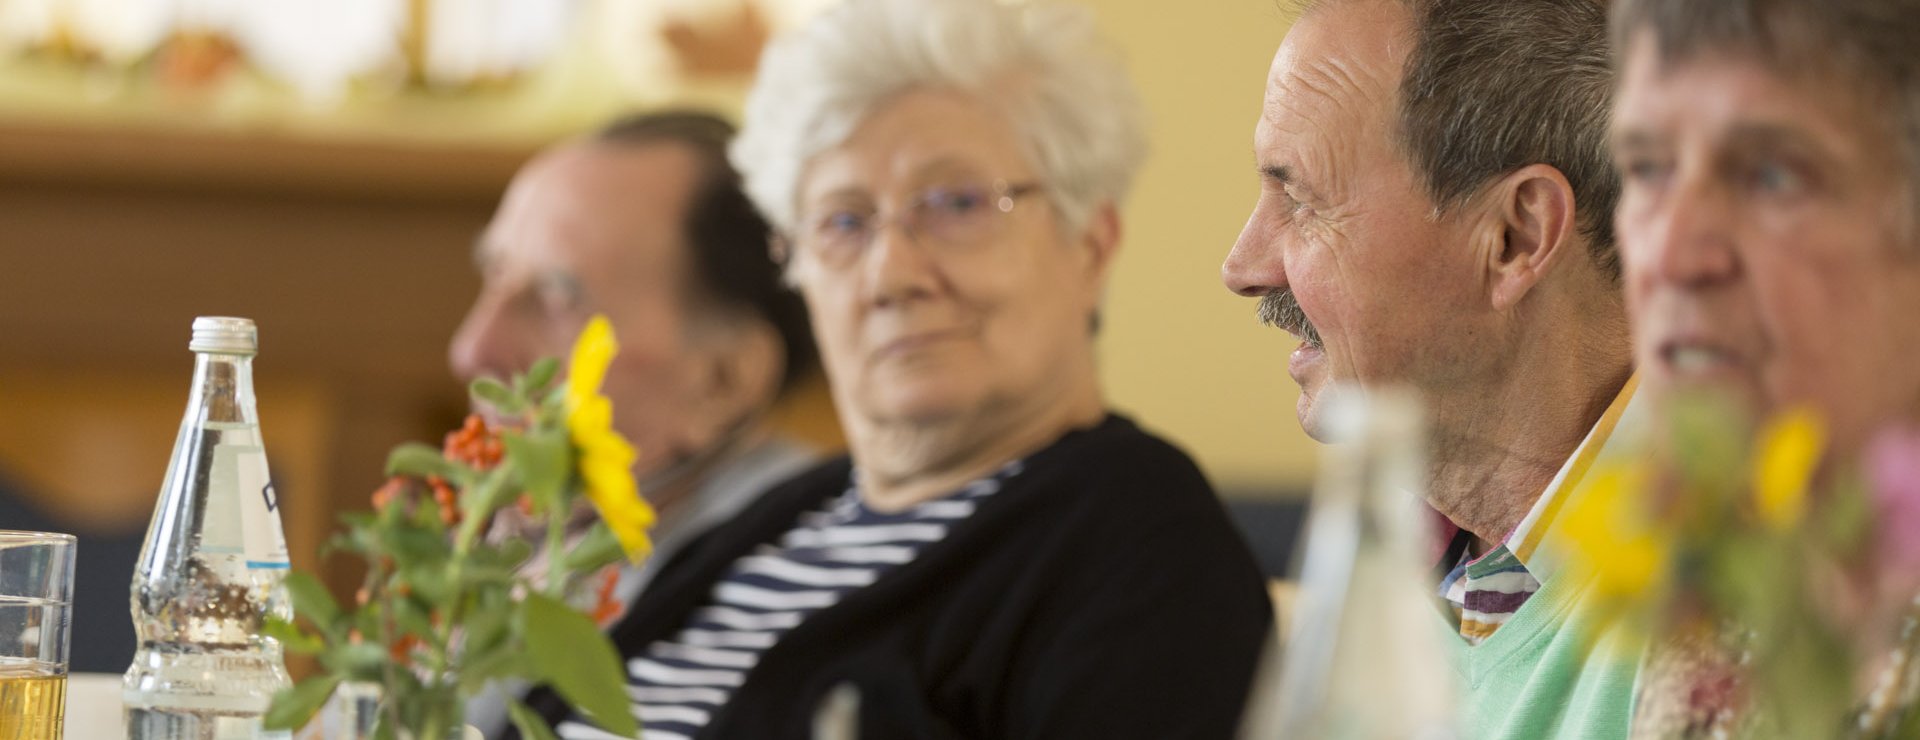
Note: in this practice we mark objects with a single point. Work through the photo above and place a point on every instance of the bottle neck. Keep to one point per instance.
(223, 389)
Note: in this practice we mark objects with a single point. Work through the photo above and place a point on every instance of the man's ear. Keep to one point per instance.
(1533, 209)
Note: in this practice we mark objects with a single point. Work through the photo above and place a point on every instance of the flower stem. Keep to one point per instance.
(556, 538)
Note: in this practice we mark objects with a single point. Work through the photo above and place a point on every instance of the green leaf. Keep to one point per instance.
(311, 600)
(539, 376)
(412, 618)
(422, 460)
(416, 545)
(494, 490)
(569, 651)
(362, 662)
(488, 621)
(596, 550)
(429, 581)
(291, 637)
(293, 707)
(508, 554)
(1848, 516)
(542, 458)
(531, 726)
(493, 665)
(496, 394)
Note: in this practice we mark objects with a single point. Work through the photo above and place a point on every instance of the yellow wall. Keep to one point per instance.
(1181, 353)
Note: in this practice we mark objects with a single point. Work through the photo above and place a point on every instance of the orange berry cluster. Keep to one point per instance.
(473, 444)
(444, 497)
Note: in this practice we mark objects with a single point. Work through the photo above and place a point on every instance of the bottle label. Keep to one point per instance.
(252, 528)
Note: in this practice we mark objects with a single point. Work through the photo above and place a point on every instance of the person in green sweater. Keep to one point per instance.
(1436, 211)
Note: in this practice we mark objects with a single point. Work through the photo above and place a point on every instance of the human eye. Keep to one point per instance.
(1642, 169)
(1295, 201)
(560, 294)
(955, 200)
(1773, 177)
(839, 224)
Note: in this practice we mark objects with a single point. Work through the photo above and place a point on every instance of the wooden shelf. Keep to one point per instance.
(152, 158)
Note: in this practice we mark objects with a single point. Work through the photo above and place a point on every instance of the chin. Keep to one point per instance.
(1309, 418)
(926, 404)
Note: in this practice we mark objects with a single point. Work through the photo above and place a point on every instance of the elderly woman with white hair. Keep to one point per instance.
(999, 556)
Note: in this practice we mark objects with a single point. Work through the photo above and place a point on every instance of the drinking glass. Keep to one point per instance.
(36, 603)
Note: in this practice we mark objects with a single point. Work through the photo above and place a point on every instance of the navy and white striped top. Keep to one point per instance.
(678, 684)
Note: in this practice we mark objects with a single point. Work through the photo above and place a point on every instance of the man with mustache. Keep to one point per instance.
(1435, 212)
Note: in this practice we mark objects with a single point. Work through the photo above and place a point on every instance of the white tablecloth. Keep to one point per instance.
(93, 707)
(94, 712)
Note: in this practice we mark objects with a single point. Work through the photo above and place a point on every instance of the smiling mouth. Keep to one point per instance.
(1697, 359)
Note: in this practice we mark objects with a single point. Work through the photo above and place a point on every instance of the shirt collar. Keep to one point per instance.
(1539, 524)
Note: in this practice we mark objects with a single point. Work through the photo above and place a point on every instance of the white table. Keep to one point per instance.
(93, 707)
(94, 711)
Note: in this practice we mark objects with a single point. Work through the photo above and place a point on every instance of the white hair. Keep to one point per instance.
(1065, 92)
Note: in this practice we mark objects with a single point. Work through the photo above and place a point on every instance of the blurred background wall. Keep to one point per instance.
(322, 166)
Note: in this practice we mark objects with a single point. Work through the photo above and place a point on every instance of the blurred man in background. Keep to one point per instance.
(1770, 226)
(1435, 212)
(644, 222)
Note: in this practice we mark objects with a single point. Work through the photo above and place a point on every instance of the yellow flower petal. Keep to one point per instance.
(1787, 454)
(605, 458)
(1610, 535)
(593, 351)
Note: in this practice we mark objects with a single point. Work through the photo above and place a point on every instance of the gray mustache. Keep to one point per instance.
(1280, 310)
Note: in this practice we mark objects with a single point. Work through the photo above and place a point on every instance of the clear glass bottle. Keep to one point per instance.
(1364, 660)
(210, 571)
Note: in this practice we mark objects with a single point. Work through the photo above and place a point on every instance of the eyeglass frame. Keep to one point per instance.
(1006, 194)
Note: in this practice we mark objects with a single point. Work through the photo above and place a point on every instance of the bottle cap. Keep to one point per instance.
(224, 335)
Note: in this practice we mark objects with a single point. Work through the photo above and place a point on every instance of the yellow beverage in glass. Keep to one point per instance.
(33, 701)
(36, 619)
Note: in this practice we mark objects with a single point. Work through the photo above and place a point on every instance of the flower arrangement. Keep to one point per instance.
(1742, 558)
(445, 610)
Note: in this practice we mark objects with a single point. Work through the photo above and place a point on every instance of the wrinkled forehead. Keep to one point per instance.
(1732, 93)
(1340, 66)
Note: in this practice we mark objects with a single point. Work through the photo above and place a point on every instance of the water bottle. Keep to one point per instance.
(1363, 660)
(210, 571)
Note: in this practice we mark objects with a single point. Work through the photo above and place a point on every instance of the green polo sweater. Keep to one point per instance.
(1556, 669)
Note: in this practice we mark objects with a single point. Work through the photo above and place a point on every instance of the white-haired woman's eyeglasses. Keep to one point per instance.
(945, 218)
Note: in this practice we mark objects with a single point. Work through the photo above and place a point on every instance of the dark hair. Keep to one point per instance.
(1874, 45)
(726, 236)
(1496, 85)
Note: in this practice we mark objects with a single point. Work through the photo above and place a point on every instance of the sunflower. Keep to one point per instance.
(604, 459)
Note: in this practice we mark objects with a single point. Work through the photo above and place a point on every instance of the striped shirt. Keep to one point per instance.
(677, 685)
(1486, 591)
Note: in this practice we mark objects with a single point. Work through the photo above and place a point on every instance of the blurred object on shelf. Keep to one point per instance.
(497, 71)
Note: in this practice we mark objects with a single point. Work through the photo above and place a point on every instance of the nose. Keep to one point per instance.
(1256, 264)
(487, 344)
(1687, 240)
(899, 266)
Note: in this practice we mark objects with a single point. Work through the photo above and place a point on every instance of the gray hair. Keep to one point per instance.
(1065, 92)
(1495, 86)
(1872, 44)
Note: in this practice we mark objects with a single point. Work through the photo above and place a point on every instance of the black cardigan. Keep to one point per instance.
(1102, 593)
